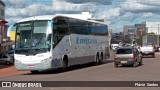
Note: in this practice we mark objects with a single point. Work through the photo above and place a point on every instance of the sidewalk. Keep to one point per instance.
(10, 70)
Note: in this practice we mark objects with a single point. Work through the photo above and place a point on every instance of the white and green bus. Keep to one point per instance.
(58, 41)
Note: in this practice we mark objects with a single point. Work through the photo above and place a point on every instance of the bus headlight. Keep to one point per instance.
(47, 59)
(17, 61)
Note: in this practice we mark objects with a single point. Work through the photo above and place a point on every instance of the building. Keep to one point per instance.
(152, 27)
(129, 31)
(140, 30)
(12, 29)
(83, 15)
(5, 43)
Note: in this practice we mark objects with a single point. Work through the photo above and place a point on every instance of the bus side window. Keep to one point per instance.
(61, 26)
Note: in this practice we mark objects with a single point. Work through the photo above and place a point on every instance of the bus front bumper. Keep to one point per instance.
(36, 66)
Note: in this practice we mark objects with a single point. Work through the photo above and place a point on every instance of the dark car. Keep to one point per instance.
(129, 56)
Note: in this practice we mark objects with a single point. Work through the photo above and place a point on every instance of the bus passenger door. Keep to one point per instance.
(60, 29)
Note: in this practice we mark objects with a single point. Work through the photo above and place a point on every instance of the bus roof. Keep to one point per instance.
(43, 17)
(50, 17)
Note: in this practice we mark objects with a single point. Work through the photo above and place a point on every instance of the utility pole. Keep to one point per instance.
(158, 35)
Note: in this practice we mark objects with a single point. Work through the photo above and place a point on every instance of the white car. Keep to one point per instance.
(147, 50)
(114, 46)
(5, 59)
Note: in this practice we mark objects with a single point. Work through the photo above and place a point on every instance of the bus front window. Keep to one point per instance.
(23, 35)
(35, 35)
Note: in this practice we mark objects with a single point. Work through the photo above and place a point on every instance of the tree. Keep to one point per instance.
(127, 39)
(139, 40)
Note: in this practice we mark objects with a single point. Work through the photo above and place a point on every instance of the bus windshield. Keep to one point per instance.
(35, 35)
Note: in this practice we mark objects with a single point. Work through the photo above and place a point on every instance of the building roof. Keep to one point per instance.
(3, 21)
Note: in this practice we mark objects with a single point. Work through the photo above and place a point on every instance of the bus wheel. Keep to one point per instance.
(65, 63)
(34, 72)
(101, 60)
(97, 60)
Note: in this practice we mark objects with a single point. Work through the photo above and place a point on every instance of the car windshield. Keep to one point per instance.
(124, 51)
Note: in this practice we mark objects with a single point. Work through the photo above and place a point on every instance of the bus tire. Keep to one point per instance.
(97, 60)
(134, 64)
(116, 65)
(34, 72)
(65, 63)
(101, 58)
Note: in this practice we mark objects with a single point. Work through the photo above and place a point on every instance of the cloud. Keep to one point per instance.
(31, 10)
(108, 14)
(147, 15)
(127, 11)
(15, 14)
(128, 16)
(16, 3)
(102, 2)
(67, 6)
(149, 2)
(141, 6)
(12, 20)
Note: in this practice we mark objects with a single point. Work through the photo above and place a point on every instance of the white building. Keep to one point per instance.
(84, 15)
(152, 27)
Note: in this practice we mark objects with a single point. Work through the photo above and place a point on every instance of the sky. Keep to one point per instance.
(116, 13)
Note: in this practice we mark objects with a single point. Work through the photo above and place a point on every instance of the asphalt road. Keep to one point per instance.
(149, 71)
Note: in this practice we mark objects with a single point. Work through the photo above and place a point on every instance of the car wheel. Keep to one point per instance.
(115, 65)
(140, 63)
(153, 55)
(135, 64)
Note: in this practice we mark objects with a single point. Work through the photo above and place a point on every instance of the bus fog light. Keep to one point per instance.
(17, 61)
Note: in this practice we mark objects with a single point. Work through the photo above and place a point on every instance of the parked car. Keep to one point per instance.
(148, 50)
(5, 59)
(156, 47)
(127, 55)
(11, 54)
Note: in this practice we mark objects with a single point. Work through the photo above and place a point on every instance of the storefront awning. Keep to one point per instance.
(3, 21)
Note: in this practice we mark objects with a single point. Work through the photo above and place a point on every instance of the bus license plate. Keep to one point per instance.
(123, 61)
(31, 65)
(146, 52)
